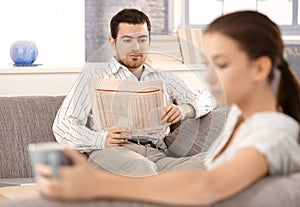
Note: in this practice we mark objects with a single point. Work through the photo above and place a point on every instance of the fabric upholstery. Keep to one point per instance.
(24, 120)
(196, 135)
(42, 202)
(270, 191)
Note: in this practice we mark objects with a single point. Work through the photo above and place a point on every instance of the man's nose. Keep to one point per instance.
(136, 46)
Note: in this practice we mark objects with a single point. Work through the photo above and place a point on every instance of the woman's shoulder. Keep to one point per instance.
(276, 135)
(271, 121)
(274, 122)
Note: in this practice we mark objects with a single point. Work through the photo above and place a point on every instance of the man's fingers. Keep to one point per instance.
(119, 131)
(117, 136)
(120, 136)
(166, 110)
(117, 141)
(175, 117)
(165, 114)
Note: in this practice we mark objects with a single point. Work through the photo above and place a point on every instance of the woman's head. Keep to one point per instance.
(245, 48)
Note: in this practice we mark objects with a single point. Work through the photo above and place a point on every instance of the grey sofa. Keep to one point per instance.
(25, 120)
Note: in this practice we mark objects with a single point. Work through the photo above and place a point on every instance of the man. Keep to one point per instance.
(114, 150)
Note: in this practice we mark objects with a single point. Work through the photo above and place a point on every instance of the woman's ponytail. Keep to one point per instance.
(288, 93)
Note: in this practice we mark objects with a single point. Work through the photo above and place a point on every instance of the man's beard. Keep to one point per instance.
(130, 62)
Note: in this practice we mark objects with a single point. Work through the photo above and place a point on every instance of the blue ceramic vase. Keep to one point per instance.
(23, 52)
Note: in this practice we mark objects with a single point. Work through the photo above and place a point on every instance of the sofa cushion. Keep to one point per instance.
(196, 135)
(24, 120)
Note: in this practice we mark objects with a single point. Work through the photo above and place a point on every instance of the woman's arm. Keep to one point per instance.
(184, 187)
(194, 187)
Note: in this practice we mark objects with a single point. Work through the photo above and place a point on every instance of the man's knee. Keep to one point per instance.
(116, 161)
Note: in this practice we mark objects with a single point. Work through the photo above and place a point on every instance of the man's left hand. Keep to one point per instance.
(171, 114)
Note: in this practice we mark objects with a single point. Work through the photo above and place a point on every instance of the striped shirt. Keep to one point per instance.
(74, 124)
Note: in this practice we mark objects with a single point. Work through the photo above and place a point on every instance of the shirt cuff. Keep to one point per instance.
(101, 140)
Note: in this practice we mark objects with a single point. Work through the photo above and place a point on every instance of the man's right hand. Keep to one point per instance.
(117, 137)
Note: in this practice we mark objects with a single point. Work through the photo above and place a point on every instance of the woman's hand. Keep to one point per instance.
(75, 182)
(116, 137)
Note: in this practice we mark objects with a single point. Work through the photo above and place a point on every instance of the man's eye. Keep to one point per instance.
(143, 40)
(127, 40)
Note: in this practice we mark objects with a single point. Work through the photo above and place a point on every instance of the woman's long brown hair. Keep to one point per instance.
(258, 36)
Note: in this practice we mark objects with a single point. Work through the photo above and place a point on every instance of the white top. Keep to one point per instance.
(273, 134)
(74, 124)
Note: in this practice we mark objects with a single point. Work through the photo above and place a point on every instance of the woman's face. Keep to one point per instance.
(230, 79)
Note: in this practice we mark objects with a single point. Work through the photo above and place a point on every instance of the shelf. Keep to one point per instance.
(10, 69)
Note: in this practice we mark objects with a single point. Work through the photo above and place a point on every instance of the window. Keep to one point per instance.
(199, 13)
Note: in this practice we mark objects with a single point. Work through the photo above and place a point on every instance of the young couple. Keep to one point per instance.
(260, 137)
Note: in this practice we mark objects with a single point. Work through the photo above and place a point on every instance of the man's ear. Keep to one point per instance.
(112, 42)
(262, 68)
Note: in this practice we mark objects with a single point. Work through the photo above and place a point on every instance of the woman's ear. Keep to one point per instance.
(112, 42)
(262, 68)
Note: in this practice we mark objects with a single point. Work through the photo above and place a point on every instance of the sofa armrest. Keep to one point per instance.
(269, 191)
(24, 120)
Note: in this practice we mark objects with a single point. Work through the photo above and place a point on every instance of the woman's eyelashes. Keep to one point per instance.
(221, 65)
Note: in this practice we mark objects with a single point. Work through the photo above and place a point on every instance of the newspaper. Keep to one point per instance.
(134, 105)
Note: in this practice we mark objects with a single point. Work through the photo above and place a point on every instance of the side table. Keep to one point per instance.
(14, 192)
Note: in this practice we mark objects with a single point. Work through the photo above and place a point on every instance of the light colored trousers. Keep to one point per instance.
(138, 160)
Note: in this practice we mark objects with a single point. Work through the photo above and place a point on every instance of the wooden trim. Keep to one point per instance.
(2, 197)
(14, 192)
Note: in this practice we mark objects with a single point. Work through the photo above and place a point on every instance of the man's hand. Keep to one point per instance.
(116, 137)
(171, 114)
(175, 113)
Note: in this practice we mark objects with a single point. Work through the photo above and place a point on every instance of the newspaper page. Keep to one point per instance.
(128, 104)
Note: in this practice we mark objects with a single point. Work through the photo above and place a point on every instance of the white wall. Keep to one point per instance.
(56, 26)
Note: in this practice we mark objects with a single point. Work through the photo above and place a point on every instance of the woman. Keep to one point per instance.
(260, 136)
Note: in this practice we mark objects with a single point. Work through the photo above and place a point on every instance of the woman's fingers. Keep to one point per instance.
(75, 156)
(43, 170)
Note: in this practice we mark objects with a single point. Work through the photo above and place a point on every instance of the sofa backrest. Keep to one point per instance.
(24, 120)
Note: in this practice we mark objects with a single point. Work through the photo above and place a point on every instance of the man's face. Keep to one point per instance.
(132, 44)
